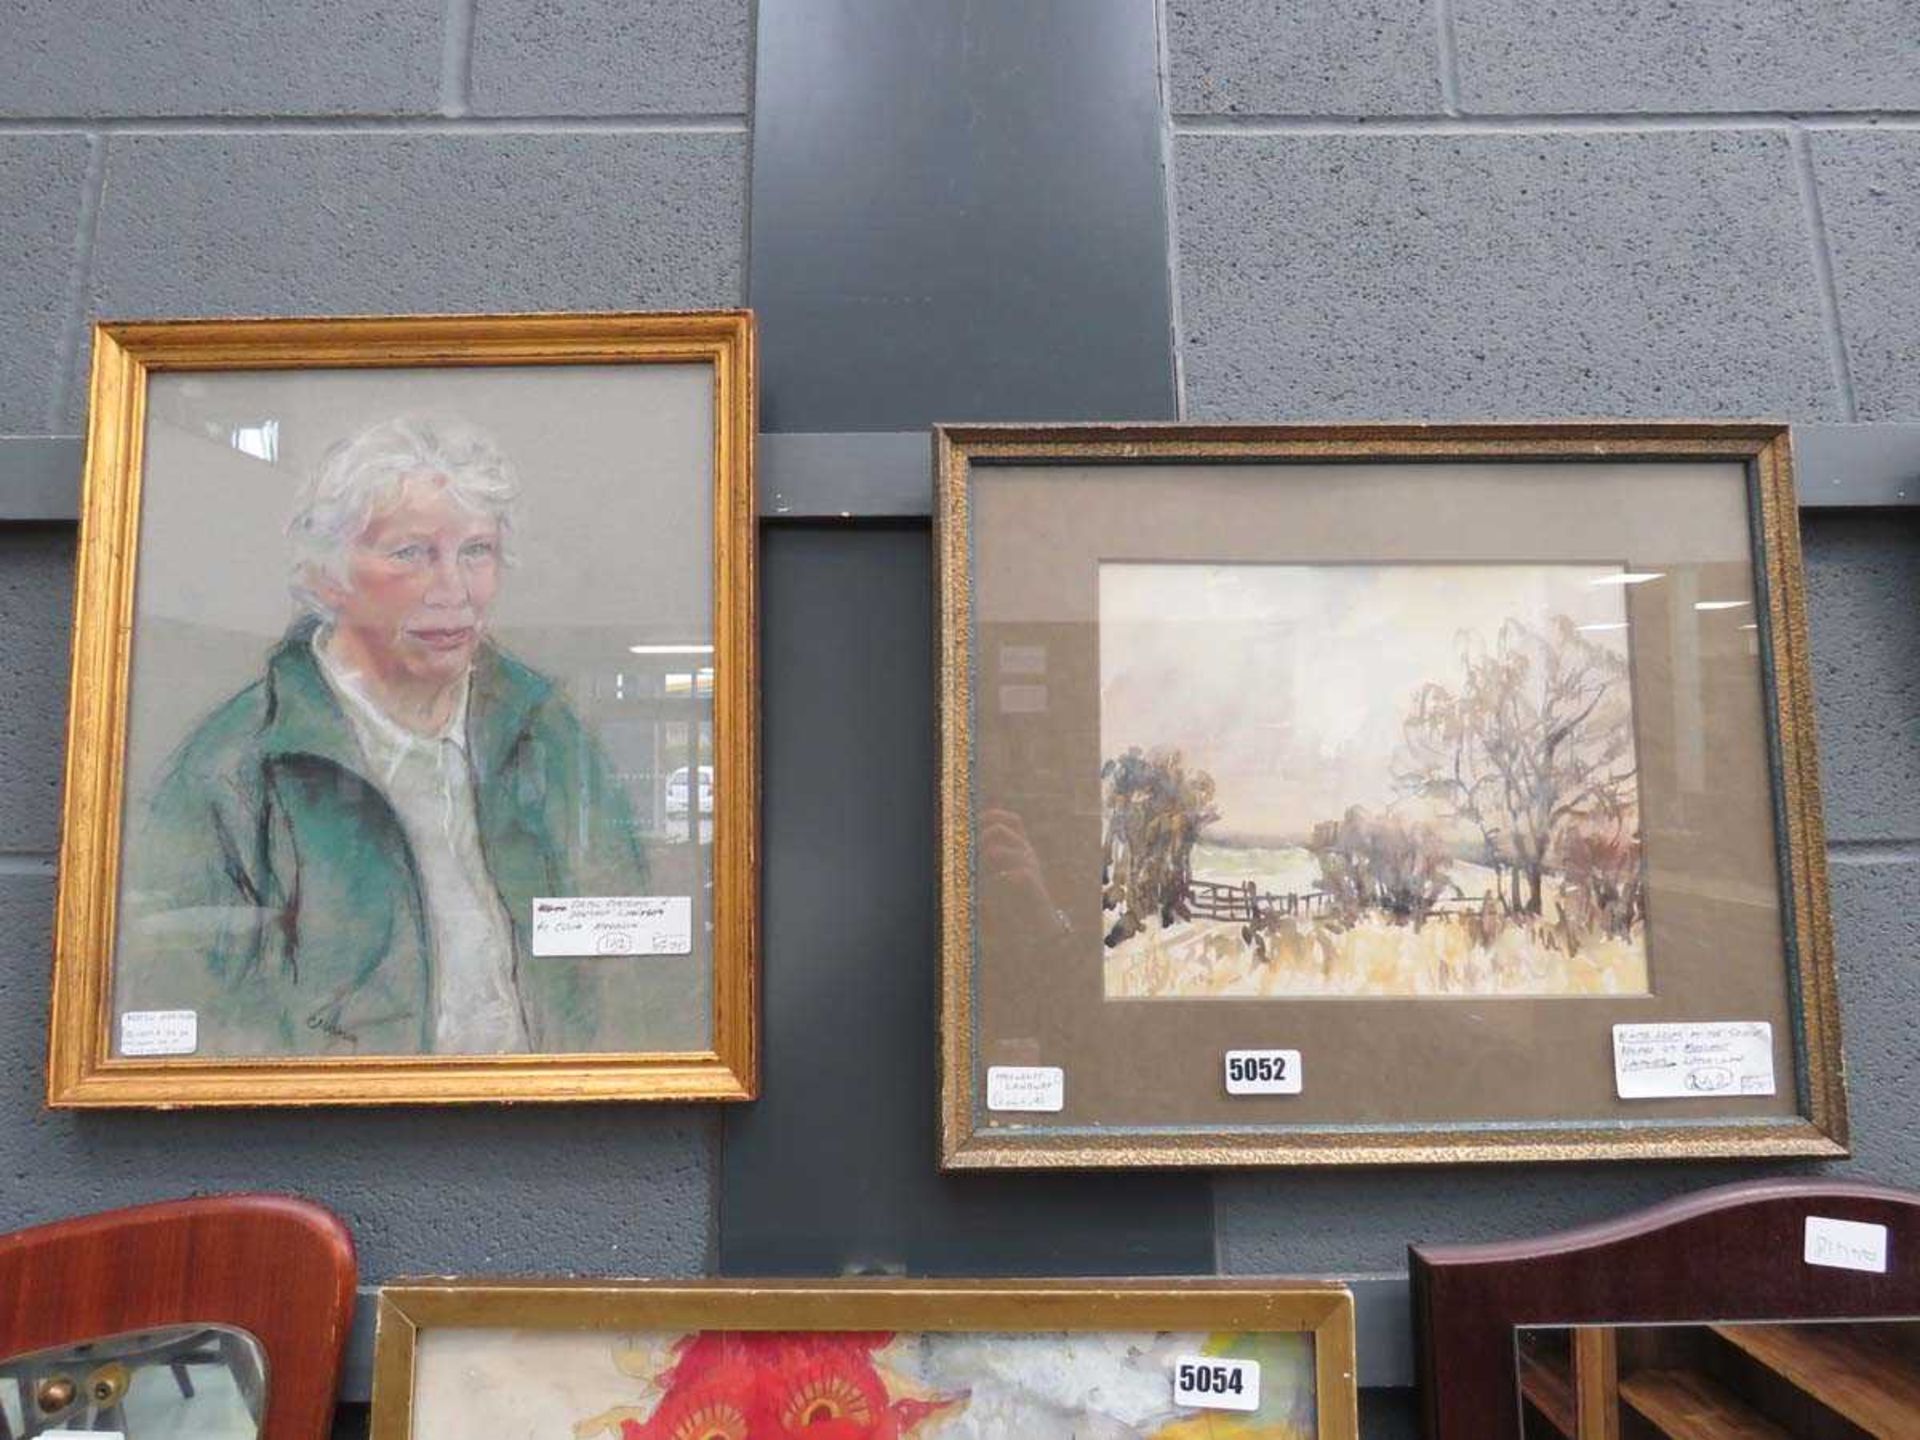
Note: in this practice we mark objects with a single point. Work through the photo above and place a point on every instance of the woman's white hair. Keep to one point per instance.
(358, 476)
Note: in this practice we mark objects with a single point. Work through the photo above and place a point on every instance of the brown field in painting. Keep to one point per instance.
(1447, 955)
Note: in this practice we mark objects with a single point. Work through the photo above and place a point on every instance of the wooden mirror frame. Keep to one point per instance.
(280, 1269)
(1734, 1253)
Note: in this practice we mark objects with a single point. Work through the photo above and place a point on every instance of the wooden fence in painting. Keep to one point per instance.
(1247, 904)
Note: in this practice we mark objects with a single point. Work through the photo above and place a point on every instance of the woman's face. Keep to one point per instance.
(420, 578)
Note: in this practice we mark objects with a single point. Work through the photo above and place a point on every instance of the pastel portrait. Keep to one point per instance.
(422, 679)
(346, 853)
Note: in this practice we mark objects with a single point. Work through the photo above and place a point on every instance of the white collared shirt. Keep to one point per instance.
(429, 782)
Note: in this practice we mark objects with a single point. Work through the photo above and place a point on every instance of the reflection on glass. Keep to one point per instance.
(261, 441)
(1820, 1380)
(186, 1382)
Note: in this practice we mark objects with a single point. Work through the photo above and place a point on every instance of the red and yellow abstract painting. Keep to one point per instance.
(850, 1385)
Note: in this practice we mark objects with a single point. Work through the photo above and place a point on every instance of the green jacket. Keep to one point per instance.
(273, 891)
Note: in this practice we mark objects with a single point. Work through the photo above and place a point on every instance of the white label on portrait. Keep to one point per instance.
(1213, 1382)
(567, 926)
(1846, 1245)
(1023, 699)
(1026, 1087)
(159, 1032)
(1685, 1061)
(1263, 1072)
(1023, 659)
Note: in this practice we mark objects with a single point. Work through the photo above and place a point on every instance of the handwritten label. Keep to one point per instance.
(1846, 1245)
(1213, 1382)
(1023, 699)
(159, 1032)
(1263, 1072)
(1686, 1061)
(1026, 1087)
(574, 925)
(1023, 659)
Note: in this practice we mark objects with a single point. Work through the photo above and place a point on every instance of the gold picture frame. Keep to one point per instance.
(548, 1312)
(129, 359)
(1023, 988)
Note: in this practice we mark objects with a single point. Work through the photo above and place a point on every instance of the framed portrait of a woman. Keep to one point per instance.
(411, 754)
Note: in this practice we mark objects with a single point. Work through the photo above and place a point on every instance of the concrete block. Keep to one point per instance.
(1869, 185)
(1370, 57)
(36, 618)
(221, 57)
(1312, 1222)
(1877, 940)
(1536, 275)
(1686, 55)
(1863, 574)
(42, 178)
(533, 1189)
(612, 57)
(308, 223)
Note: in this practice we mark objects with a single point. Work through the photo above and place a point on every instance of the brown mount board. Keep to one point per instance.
(1727, 1254)
(278, 1268)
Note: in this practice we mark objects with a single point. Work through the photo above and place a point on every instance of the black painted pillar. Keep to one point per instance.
(958, 214)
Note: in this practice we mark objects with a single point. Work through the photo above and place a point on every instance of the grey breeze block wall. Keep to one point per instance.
(333, 157)
(1487, 208)
(1380, 208)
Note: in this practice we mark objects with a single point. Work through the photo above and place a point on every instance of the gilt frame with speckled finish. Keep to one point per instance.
(1737, 910)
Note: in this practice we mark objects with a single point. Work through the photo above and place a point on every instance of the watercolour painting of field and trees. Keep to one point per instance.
(1369, 780)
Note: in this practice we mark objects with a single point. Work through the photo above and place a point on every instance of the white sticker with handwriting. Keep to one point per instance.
(1023, 699)
(1037, 1088)
(1263, 1072)
(1023, 659)
(566, 926)
(1214, 1382)
(159, 1032)
(1697, 1058)
(1846, 1245)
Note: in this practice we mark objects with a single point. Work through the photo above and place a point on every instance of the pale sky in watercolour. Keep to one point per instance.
(1290, 683)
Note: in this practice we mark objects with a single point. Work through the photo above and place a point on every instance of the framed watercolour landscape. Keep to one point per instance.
(411, 754)
(866, 1360)
(1372, 794)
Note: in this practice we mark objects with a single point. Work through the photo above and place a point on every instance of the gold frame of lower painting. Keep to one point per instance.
(1242, 1308)
(84, 1068)
(987, 656)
